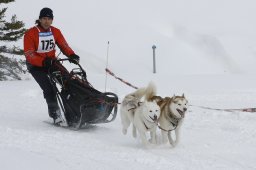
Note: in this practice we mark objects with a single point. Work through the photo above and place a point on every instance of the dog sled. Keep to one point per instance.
(79, 101)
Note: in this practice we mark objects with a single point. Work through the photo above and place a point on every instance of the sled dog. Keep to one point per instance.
(142, 114)
(171, 118)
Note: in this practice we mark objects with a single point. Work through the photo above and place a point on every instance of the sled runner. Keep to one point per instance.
(80, 102)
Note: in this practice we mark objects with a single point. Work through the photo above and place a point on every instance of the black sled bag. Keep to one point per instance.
(84, 104)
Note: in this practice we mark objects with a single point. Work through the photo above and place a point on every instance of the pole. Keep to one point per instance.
(154, 59)
(106, 67)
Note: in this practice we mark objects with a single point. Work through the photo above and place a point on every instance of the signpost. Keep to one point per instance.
(154, 59)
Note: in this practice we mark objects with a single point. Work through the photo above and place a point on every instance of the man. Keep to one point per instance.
(39, 50)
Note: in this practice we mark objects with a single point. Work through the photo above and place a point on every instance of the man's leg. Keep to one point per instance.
(49, 93)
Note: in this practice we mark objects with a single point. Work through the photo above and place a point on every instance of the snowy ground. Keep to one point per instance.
(210, 139)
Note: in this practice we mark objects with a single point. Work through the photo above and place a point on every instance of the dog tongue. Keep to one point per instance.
(180, 112)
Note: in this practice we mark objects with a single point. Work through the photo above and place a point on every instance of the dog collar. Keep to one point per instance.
(174, 121)
(146, 126)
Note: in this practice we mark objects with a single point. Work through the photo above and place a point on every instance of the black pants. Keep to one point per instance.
(40, 74)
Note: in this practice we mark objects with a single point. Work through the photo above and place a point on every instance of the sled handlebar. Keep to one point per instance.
(68, 59)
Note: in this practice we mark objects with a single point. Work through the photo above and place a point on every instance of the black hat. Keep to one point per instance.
(46, 12)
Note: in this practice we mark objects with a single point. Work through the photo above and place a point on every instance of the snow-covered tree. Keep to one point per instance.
(10, 68)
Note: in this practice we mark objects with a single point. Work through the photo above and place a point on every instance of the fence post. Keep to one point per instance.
(154, 59)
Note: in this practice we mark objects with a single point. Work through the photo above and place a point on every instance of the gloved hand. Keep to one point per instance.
(47, 62)
(74, 58)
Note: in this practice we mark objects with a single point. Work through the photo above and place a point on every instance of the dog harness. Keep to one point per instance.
(173, 121)
(147, 128)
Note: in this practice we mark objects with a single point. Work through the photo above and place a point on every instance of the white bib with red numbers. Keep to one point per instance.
(46, 42)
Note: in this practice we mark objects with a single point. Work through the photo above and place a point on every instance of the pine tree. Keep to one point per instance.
(10, 68)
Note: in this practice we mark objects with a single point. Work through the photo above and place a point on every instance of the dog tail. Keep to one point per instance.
(139, 93)
(150, 91)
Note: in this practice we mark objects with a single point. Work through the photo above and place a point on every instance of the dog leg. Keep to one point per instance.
(124, 131)
(144, 138)
(171, 141)
(164, 136)
(177, 136)
(134, 131)
(153, 136)
(126, 123)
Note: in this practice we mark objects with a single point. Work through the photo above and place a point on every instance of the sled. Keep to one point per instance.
(80, 102)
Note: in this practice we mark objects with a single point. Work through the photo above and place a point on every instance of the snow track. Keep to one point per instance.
(210, 139)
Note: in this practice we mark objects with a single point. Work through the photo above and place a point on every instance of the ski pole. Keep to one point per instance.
(106, 67)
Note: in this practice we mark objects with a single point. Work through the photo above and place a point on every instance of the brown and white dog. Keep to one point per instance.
(173, 110)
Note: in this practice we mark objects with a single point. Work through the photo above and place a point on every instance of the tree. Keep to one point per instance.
(10, 68)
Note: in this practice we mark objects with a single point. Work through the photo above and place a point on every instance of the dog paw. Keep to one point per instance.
(146, 144)
(164, 141)
(152, 141)
(173, 144)
(124, 131)
(149, 146)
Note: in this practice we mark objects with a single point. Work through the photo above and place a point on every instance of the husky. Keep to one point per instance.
(141, 113)
(171, 118)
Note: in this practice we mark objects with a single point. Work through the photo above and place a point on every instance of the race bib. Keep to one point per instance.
(46, 42)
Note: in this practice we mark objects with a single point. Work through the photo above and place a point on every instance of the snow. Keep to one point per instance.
(210, 139)
(1, 25)
(205, 49)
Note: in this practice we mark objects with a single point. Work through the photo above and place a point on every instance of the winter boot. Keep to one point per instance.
(54, 111)
(58, 118)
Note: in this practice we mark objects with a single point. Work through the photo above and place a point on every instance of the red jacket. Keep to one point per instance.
(31, 40)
